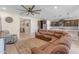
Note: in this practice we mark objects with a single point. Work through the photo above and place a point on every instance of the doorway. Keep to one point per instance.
(24, 28)
(42, 24)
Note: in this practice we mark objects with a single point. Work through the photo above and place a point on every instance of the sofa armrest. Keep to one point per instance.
(38, 35)
(52, 49)
(57, 49)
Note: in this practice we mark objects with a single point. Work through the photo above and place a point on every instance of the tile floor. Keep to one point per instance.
(11, 49)
(75, 47)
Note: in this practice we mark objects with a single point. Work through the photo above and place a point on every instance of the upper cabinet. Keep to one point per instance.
(65, 23)
(71, 22)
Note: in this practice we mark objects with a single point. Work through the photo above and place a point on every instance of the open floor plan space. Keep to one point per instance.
(39, 29)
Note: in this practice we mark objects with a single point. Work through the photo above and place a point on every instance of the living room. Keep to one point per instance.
(20, 26)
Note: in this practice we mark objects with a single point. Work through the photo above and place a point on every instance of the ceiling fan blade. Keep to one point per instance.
(20, 10)
(38, 10)
(33, 6)
(24, 7)
(23, 12)
(32, 13)
(35, 12)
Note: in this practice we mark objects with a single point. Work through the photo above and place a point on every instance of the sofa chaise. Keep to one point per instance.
(46, 42)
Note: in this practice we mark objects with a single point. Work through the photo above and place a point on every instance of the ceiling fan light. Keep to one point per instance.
(4, 8)
(55, 7)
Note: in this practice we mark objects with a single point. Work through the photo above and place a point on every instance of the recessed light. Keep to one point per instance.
(4, 8)
(55, 7)
(71, 16)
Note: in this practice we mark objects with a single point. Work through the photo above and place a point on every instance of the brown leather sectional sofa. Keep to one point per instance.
(59, 41)
(46, 42)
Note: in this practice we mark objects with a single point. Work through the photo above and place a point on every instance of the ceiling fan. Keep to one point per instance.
(29, 10)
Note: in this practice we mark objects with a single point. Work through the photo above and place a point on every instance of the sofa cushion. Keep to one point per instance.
(46, 38)
(57, 35)
(63, 42)
(34, 42)
(44, 46)
(42, 31)
(50, 33)
(37, 51)
(53, 39)
(60, 32)
(38, 35)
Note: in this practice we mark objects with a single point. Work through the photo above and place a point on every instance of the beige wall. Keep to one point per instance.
(13, 27)
(34, 26)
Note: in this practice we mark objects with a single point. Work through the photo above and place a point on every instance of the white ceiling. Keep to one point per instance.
(48, 11)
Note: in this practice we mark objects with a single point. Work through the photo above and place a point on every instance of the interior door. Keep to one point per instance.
(42, 24)
(27, 26)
